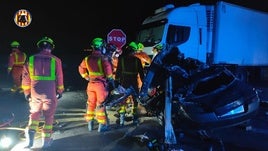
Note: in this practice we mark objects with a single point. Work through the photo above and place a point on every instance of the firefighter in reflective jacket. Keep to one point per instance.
(145, 59)
(42, 82)
(129, 70)
(97, 70)
(16, 61)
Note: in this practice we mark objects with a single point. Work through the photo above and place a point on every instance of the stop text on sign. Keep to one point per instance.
(117, 39)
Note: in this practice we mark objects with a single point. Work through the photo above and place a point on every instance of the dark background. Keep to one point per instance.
(73, 24)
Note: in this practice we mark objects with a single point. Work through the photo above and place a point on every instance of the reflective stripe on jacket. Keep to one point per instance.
(129, 66)
(43, 68)
(96, 66)
(16, 58)
(51, 76)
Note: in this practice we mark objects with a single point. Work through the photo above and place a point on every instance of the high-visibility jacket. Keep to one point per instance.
(16, 58)
(42, 78)
(129, 69)
(43, 74)
(96, 68)
(145, 59)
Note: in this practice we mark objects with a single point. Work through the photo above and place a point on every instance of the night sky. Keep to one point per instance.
(73, 24)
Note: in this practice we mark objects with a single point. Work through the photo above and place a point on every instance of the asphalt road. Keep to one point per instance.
(71, 134)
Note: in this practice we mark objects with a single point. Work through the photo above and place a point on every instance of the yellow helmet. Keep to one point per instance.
(97, 43)
(140, 46)
(46, 42)
(159, 46)
(15, 44)
(133, 45)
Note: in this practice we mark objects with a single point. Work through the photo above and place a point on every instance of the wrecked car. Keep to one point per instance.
(187, 95)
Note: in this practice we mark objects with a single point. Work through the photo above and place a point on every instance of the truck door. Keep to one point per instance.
(187, 33)
(184, 38)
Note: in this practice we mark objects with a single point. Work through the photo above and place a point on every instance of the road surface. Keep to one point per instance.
(71, 134)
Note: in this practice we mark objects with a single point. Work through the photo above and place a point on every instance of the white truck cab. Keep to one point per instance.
(220, 34)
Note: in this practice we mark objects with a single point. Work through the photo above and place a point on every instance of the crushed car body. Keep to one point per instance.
(187, 95)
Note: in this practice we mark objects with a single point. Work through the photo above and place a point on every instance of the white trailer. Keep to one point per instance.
(220, 34)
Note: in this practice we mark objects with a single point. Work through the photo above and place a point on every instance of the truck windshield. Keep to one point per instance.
(151, 34)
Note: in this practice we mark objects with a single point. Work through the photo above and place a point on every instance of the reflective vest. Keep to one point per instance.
(95, 73)
(17, 61)
(133, 72)
(52, 75)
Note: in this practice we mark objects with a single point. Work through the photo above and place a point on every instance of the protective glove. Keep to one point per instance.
(28, 97)
(59, 95)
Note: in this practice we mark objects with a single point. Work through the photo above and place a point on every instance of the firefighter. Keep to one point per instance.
(157, 49)
(16, 61)
(145, 59)
(111, 50)
(42, 82)
(97, 70)
(129, 68)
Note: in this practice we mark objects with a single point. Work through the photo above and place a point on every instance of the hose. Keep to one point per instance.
(4, 126)
(9, 121)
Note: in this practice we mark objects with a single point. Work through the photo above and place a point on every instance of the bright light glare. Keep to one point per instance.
(5, 142)
(237, 110)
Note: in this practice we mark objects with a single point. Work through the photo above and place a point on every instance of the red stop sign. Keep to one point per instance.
(117, 37)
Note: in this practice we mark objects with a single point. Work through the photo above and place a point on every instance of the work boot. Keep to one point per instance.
(102, 128)
(14, 89)
(46, 142)
(90, 125)
(122, 119)
(20, 90)
(29, 135)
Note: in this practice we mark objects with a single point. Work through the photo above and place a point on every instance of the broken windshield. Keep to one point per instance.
(151, 34)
